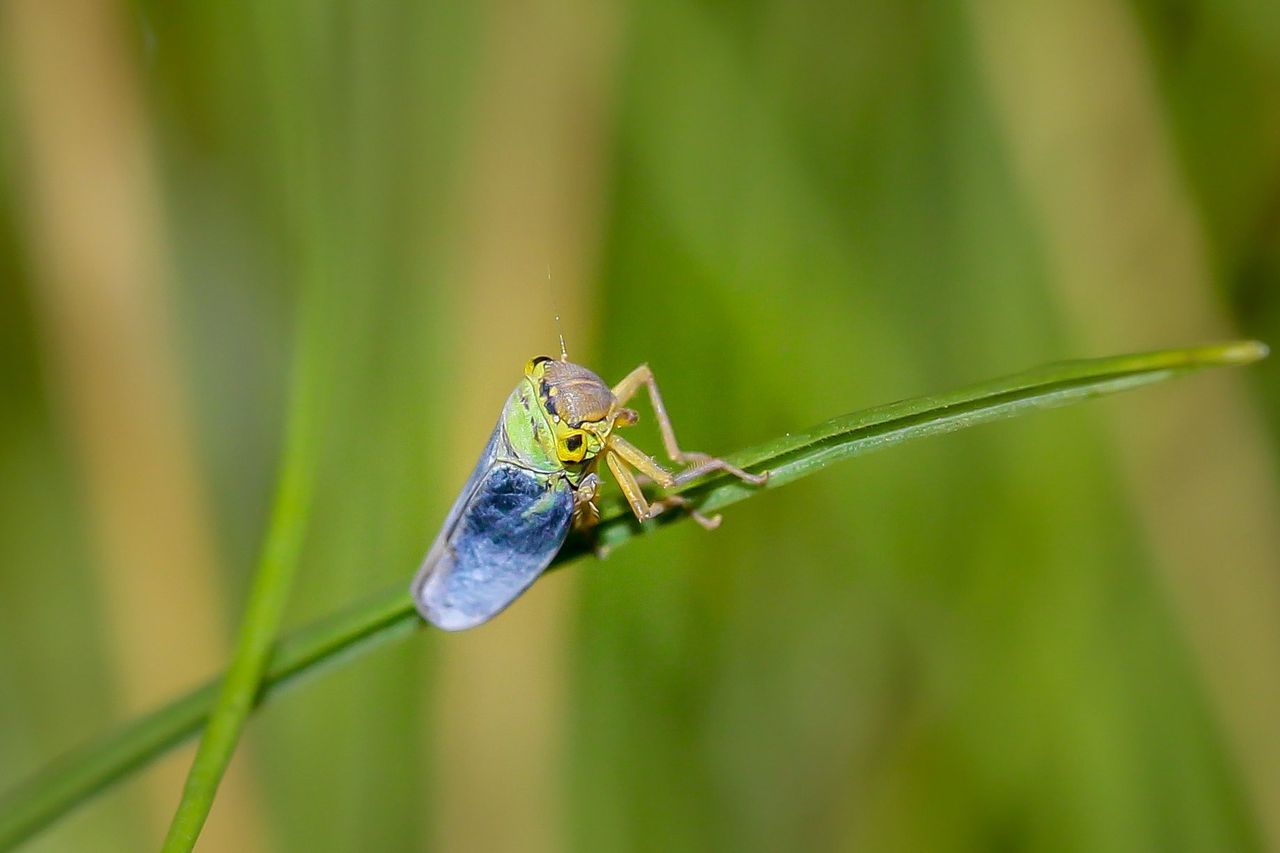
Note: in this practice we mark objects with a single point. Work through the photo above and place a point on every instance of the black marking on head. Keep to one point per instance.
(548, 399)
(540, 360)
(573, 442)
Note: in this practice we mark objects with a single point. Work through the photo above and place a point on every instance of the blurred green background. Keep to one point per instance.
(1058, 633)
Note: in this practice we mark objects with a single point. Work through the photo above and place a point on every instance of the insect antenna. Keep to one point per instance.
(564, 351)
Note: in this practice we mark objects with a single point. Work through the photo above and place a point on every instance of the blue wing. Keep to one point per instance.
(500, 535)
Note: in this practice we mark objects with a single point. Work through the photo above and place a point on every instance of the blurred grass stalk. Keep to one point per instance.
(278, 564)
(1131, 265)
(312, 221)
(92, 216)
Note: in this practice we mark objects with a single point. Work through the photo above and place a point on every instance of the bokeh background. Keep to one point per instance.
(1054, 633)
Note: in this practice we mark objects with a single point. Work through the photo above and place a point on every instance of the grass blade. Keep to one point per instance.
(389, 614)
(235, 695)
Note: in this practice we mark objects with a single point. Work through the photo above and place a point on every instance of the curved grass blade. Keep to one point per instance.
(233, 698)
(390, 613)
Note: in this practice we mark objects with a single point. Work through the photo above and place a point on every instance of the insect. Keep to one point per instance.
(537, 478)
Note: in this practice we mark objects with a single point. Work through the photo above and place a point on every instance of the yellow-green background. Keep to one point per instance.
(1058, 633)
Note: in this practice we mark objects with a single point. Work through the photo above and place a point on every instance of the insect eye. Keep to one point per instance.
(573, 447)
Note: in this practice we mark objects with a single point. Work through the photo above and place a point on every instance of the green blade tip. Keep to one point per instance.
(1244, 352)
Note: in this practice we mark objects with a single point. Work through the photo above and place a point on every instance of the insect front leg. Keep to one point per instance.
(622, 454)
(703, 463)
(585, 511)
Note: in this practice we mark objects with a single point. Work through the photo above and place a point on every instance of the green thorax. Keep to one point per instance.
(531, 442)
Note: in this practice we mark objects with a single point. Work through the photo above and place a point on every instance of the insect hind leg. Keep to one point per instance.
(700, 463)
(706, 464)
(640, 505)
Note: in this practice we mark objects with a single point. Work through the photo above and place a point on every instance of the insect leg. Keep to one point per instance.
(642, 376)
(702, 464)
(641, 461)
(625, 451)
(643, 509)
(585, 512)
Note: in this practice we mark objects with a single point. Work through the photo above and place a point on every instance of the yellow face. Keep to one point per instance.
(575, 444)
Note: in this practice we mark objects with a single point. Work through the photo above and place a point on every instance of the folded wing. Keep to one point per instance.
(502, 533)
